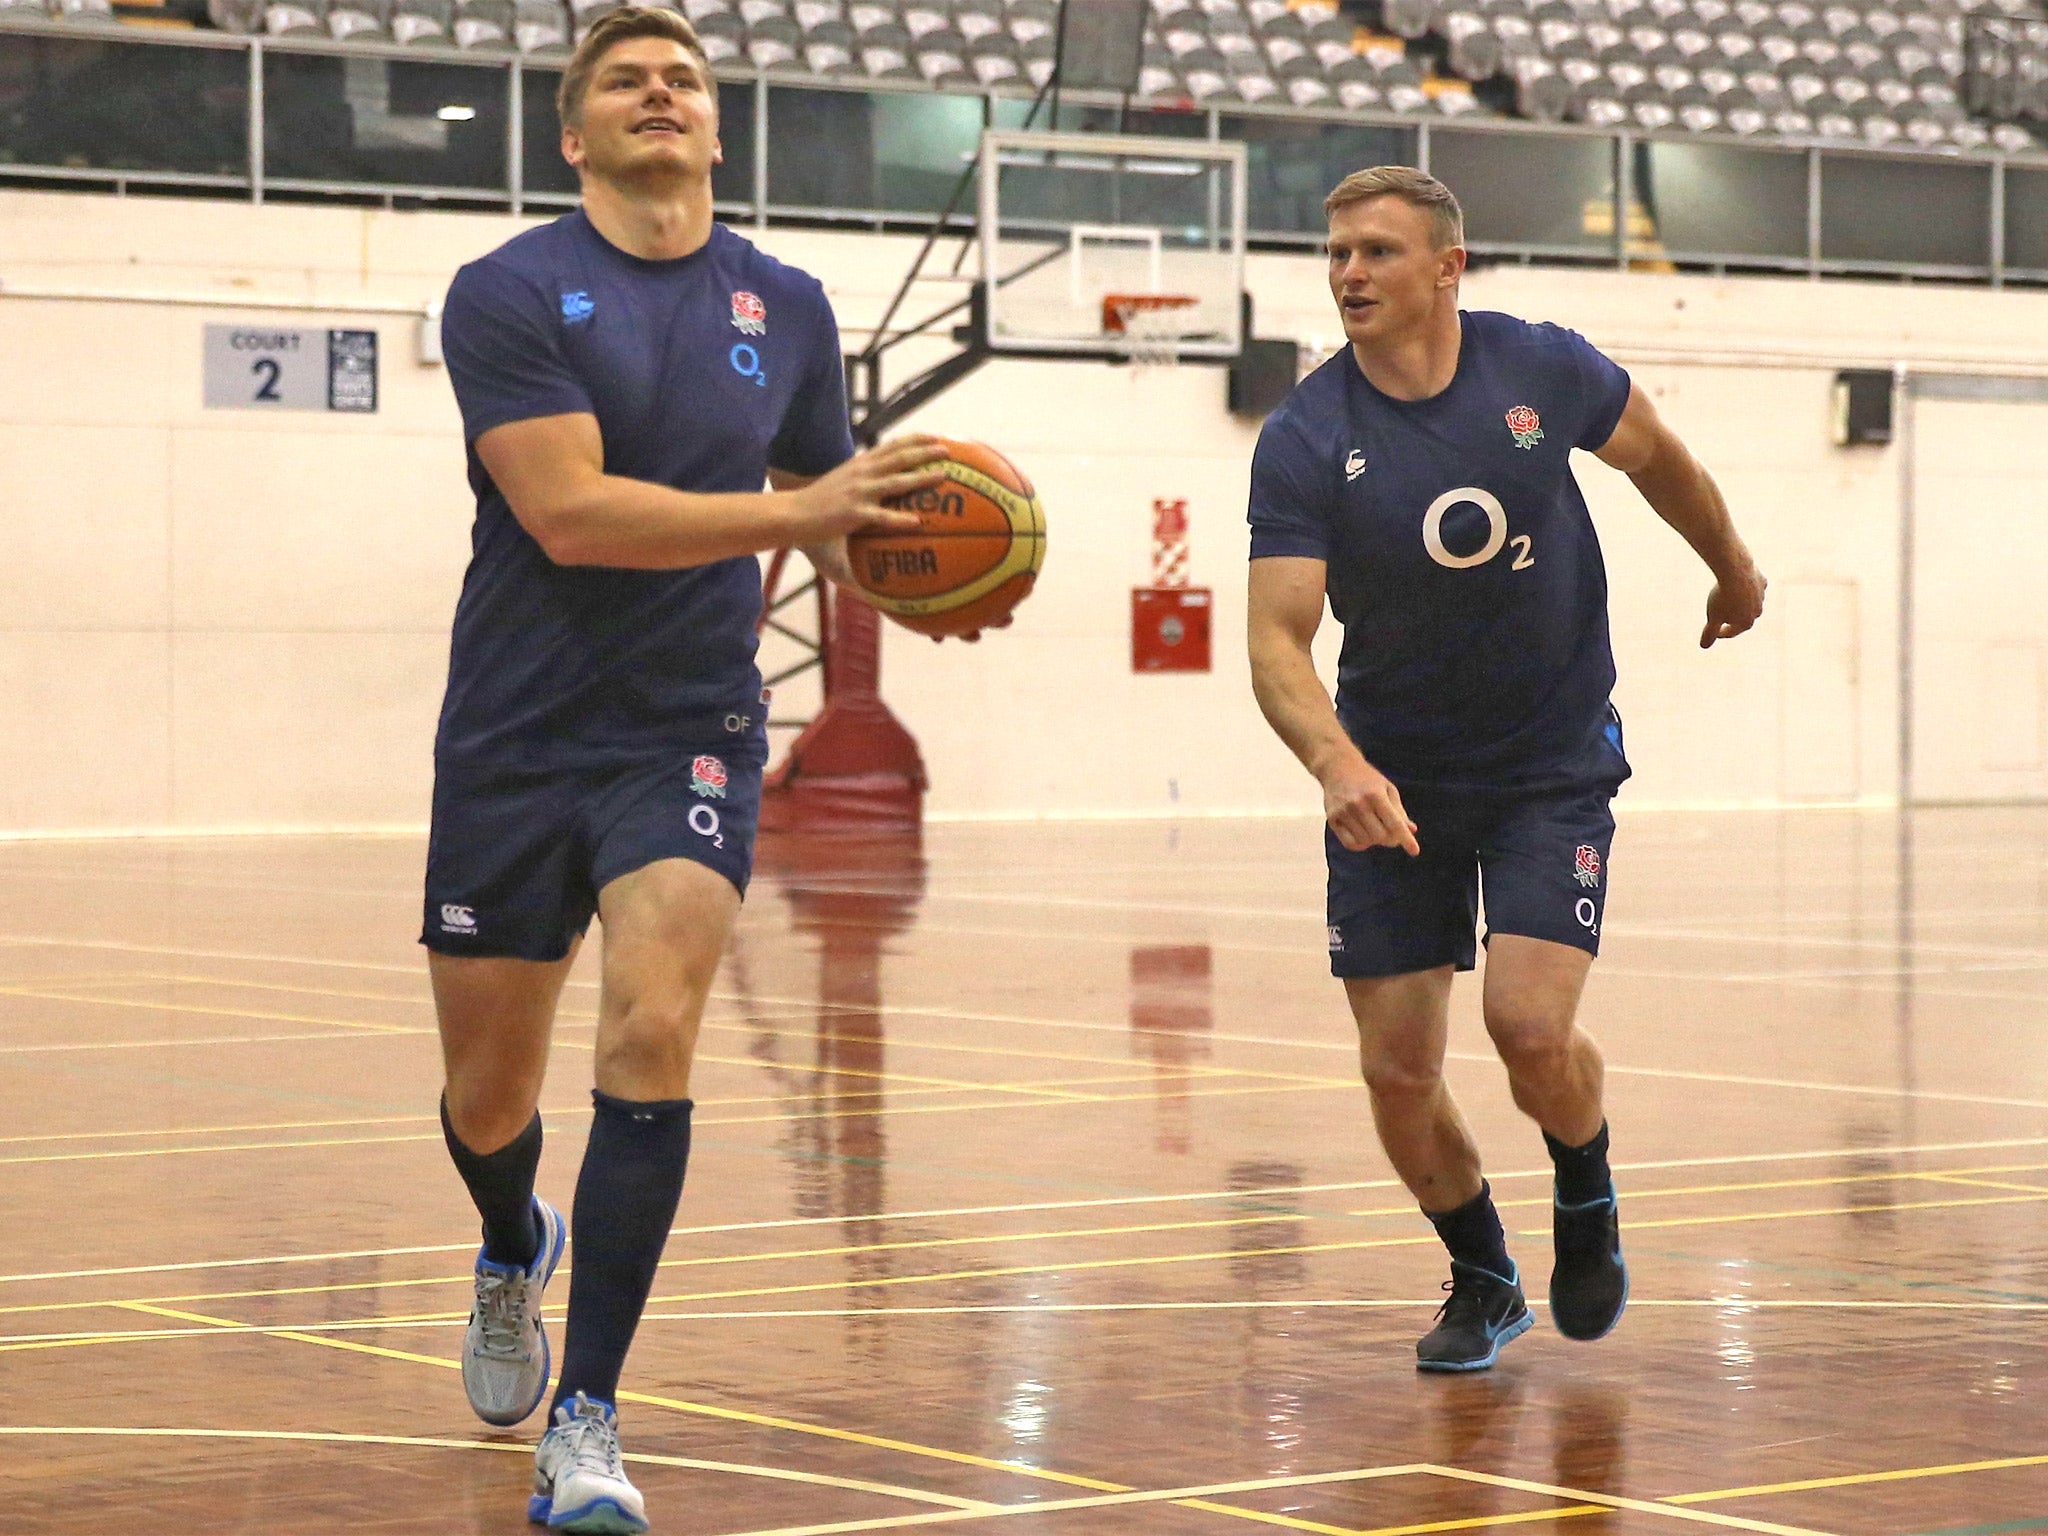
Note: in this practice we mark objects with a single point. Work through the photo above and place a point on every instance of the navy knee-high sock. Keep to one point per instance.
(626, 1199)
(501, 1184)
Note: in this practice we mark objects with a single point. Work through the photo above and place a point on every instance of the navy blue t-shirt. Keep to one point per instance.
(702, 372)
(1462, 563)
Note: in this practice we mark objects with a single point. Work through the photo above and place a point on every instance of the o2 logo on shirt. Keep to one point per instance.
(746, 362)
(1496, 531)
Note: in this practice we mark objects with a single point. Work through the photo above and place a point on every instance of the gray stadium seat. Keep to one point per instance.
(1475, 52)
(994, 59)
(85, 12)
(926, 16)
(422, 21)
(1541, 90)
(723, 35)
(774, 42)
(1408, 18)
(229, 15)
(367, 20)
(1330, 42)
(941, 57)
(540, 27)
(483, 24)
(295, 18)
(753, 12)
(976, 19)
(1030, 20)
(828, 48)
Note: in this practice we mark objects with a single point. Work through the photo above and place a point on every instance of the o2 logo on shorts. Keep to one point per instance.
(1588, 914)
(704, 822)
(1586, 865)
(707, 777)
(457, 919)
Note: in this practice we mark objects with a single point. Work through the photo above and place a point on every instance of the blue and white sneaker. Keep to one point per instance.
(1589, 1286)
(579, 1477)
(505, 1355)
(1484, 1312)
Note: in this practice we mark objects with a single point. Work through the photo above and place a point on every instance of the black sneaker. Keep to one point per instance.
(1484, 1313)
(1589, 1286)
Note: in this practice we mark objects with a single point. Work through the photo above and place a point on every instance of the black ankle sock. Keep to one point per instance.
(501, 1184)
(625, 1202)
(1473, 1233)
(1582, 1172)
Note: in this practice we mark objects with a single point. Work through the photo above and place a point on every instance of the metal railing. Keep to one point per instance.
(123, 109)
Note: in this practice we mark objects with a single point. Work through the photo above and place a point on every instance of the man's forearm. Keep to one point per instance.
(636, 525)
(1679, 489)
(1297, 706)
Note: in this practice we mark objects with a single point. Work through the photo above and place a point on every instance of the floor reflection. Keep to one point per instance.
(1171, 1015)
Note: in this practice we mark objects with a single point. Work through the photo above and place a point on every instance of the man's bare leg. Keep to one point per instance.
(1403, 1031)
(1533, 987)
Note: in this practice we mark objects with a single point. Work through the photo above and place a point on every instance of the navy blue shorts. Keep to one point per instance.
(516, 857)
(1540, 857)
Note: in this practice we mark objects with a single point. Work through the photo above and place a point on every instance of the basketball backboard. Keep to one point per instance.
(1112, 245)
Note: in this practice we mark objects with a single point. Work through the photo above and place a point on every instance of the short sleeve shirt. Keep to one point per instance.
(702, 372)
(1462, 562)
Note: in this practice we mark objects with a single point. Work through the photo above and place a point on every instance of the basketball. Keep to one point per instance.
(974, 559)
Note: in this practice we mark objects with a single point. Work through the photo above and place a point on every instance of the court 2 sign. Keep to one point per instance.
(258, 368)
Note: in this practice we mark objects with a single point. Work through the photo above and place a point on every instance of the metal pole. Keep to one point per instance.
(255, 120)
(1624, 163)
(1902, 398)
(1422, 147)
(760, 150)
(515, 137)
(1813, 213)
(1998, 222)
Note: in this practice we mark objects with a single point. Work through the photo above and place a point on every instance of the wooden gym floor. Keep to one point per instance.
(1034, 1188)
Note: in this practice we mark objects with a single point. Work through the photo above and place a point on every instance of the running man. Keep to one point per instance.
(1421, 481)
(630, 376)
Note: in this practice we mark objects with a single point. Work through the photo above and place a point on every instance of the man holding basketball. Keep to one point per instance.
(1421, 482)
(629, 376)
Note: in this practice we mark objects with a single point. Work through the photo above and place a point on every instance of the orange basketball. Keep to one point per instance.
(974, 559)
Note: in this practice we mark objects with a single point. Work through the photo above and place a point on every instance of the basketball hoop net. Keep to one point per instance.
(1153, 325)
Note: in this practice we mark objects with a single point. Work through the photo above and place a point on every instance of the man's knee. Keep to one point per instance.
(1397, 1081)
(648, 1040)
(487, 1115)
(1533, 1042)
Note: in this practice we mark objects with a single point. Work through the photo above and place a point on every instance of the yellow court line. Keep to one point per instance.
(783, 1117)
(164, 1041)
(1833, 1179)
(1859, 1479)
(1840, 1210)
(937, 1213)
(1615, 1501)
(429, 1442)
(571, 1111)
(222, 1013)
(1197, 1497)
(1137, 1261)
(704, 1410)
(1962, 1178)
(1483, 1522)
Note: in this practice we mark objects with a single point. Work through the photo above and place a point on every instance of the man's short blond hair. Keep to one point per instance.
(611, 29)
(1416, 188)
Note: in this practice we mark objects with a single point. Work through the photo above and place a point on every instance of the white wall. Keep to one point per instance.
(213, 619)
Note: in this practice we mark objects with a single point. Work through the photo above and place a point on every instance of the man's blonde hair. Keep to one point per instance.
(1416, 188)
(611, 29)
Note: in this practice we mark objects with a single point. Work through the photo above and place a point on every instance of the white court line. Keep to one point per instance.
(1635, 1506)
(315, 1437)
(1268, 1195)
(454, 1320)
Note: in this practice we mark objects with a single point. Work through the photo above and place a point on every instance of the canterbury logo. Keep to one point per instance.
(456, 919)
(1354, 466)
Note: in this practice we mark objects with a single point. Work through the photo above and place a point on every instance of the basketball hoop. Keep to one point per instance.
(1153, 325)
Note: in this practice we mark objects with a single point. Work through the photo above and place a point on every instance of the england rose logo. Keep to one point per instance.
(749, 314)
(1587, 866)
(1526, 425)
(707, 777)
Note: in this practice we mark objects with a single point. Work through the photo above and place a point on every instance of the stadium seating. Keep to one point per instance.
(1881, 73)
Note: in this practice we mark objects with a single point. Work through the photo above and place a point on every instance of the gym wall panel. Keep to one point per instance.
(222, 619)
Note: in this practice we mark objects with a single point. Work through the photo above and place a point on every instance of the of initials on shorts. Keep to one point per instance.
(455, 919)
